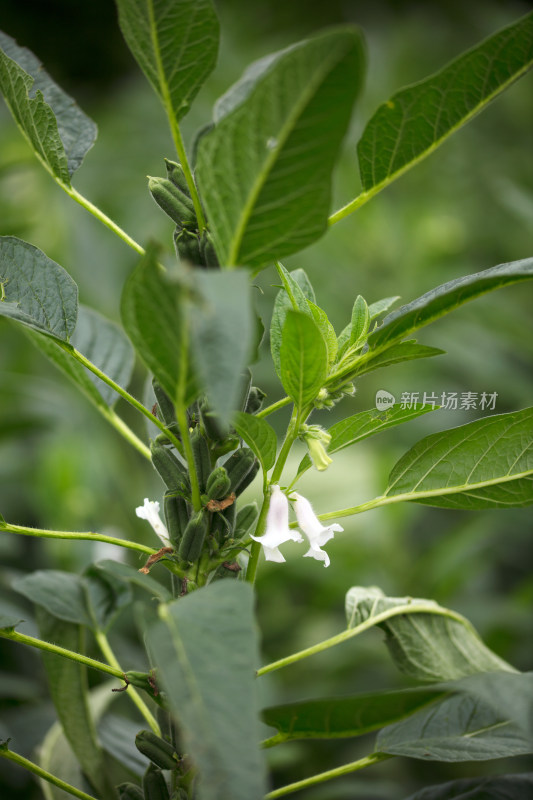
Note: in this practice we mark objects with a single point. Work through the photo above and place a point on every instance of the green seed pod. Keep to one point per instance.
(176, 175)
(128, 791)
(193, 537)
(155, 785)
(170, 469)
(238, 466)
(248, 478)
(202, 457)
(174, 203)
(165, 406)
(207, 249)
(223, 523)
(246, 517)
(255, 400)
(176, 516)
(218, 484)
(221, 449)
(160, 752)
(162, 438)
(211, 421)
(187, 246)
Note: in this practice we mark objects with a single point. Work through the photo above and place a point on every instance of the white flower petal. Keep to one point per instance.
(318, 554)
(150, 512)
(317, 533)
(277, 527)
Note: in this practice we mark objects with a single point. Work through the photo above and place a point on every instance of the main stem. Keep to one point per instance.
(133, 694)
(42, 773)
(322, 777)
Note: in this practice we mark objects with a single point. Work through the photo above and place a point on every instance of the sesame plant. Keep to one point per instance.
(255, 187)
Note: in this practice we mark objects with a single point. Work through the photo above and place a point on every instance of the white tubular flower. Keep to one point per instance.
(150, 512)
(277, 527)
(313, 529)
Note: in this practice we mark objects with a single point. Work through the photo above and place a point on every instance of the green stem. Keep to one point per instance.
(353, 205)
(91, 537)
(99, 214)
(22, 638)
(132, 692)
(285, 401)
(173, 122)
(407, 608)
(42, 773)
(68, 348)
(125, 431)
(181, 417)
(322, 777)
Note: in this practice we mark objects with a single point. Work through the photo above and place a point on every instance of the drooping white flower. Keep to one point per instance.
(317, 533)
(150, 512)
(277, 527)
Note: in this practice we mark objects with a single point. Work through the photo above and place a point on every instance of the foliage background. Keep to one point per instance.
(468, 207)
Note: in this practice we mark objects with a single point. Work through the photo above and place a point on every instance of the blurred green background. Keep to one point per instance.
(466, 208)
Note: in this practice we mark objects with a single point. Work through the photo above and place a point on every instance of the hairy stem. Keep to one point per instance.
(322, 777)
(22, 638)
(285, 401)
(42, 773)
(88, 536)
(419, 608)
(354, 204)
(105, 647)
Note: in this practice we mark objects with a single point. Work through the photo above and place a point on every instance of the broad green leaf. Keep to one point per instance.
(380, 306)
(117, 735)
(258, 435)
(222, 326)
(68, 687)
(103, 343)
(36, 291)
(61, 593)
(458, 728)
(418, 118)
(396, 354)
(300, 287)
(265, 169)
(175, 42)
(495, 787)
(425, 641)
(56, 756)
(359, 322)
(106, 596)
(341, 717)
(445, 298)
(303, 358)
(56, 128)
(367, 423)
(117, 570)
(326, 329)
(205, 651)
(154, 310)
(484, 464)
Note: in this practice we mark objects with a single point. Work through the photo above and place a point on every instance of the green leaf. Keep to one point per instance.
(341, 717)
(458, 728)
(68, 687)
(103, 343)
(222, 326)
(495, 787)
(367, 423)
(425, 640)
(396, 354)
(118, 571)
(58, 131)
(258, 435)
(414, 122)
(303, 359)
(484, 464)
(359, 322)
(62, 594)
(299, 286)
(154, 310)
(35, 290)
(326, 329)
(445, 298)
(106, 596)
(175, 42)
(298, 101)
(377, 308)
(205, 651)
